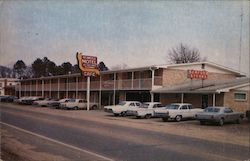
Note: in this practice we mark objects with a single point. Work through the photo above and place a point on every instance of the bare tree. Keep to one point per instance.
(184, 54)
(120, 66)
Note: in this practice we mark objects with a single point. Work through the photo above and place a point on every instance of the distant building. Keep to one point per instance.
(7, 86)
(207, 84)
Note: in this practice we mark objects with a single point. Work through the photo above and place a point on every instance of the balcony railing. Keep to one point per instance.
(123, 84)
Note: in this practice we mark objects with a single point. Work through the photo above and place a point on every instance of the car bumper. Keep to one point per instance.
(208, 120)
(108, 110)
(161, 115)
(132, 113)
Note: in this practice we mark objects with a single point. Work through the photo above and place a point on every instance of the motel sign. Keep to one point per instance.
(87, 64)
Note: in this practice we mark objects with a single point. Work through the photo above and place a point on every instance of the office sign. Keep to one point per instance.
(87, 64)
(197, 74)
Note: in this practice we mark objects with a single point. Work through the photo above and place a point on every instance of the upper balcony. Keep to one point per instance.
(122, 84)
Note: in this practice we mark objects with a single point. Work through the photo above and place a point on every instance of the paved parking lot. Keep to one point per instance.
(120, 132)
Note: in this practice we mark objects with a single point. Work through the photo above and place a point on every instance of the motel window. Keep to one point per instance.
(111, 76)
(129, 75)
(0, 84)
(240, 96)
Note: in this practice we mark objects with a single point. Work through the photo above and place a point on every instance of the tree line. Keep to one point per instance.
(42, 68)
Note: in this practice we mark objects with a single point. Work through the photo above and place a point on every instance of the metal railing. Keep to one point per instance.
(122, 84)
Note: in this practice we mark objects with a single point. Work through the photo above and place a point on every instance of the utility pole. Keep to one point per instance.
(241, 19)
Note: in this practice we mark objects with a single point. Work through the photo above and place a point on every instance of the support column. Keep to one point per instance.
(20, 90)
(67, 88)
(214, 97)
(50, 88)
(30, 88)
(42, 88)
(76, 87)
(36, 87)
(132, 85)
(152, 96)
(152, 85)
(25, 89)
(182, 97)
(114, 88)
(100, 93)
(58, 88)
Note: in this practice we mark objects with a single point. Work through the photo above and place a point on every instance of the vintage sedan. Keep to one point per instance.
(122, 107)
(78, 104)
(219, 115)
(45, 102)
(146, 110)
(177, 111)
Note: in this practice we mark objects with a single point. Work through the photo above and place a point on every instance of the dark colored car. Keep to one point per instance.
(248, 115)
(56, 104)
(8, 98)
(219, 115)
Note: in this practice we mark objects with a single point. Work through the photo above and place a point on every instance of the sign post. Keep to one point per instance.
(88, 66)
(88, 91)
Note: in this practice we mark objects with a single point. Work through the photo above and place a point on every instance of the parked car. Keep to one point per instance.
(56, 104)
(122, 107)
(146, 110)
(45, 102)
(30, 100)
(219, 115)
(8, 98)
(248, 115)
(19, 101)
(177, 112)
(78, 104)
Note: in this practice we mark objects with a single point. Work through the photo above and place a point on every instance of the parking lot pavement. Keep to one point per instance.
(229, 133)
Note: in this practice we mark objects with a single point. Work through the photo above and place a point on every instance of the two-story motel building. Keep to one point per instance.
(164, 83)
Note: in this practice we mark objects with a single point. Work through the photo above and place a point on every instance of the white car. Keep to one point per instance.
(45, 102)
(122, 107)
(177, 111)
(146, 110)
(56, 104)
(19, 101)
(78, 104)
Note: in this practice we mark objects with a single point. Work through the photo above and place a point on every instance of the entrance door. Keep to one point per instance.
(204, 101)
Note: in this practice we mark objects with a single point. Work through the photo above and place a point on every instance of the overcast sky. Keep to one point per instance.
(136, 33)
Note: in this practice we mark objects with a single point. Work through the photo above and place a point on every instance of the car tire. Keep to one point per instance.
(202, 122)
(75, 108)
(239, 120)
(148, 116)
(94, 107)
(178, 118)
(164, 119)
(123, 114)
(221, 122)
(115, 114)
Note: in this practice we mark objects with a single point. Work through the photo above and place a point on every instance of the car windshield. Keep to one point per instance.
(71, 100)
(212, 109)
(122, 103)
(172, 107)
(144, 105)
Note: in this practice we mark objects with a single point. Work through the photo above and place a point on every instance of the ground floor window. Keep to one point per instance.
(240, 96)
